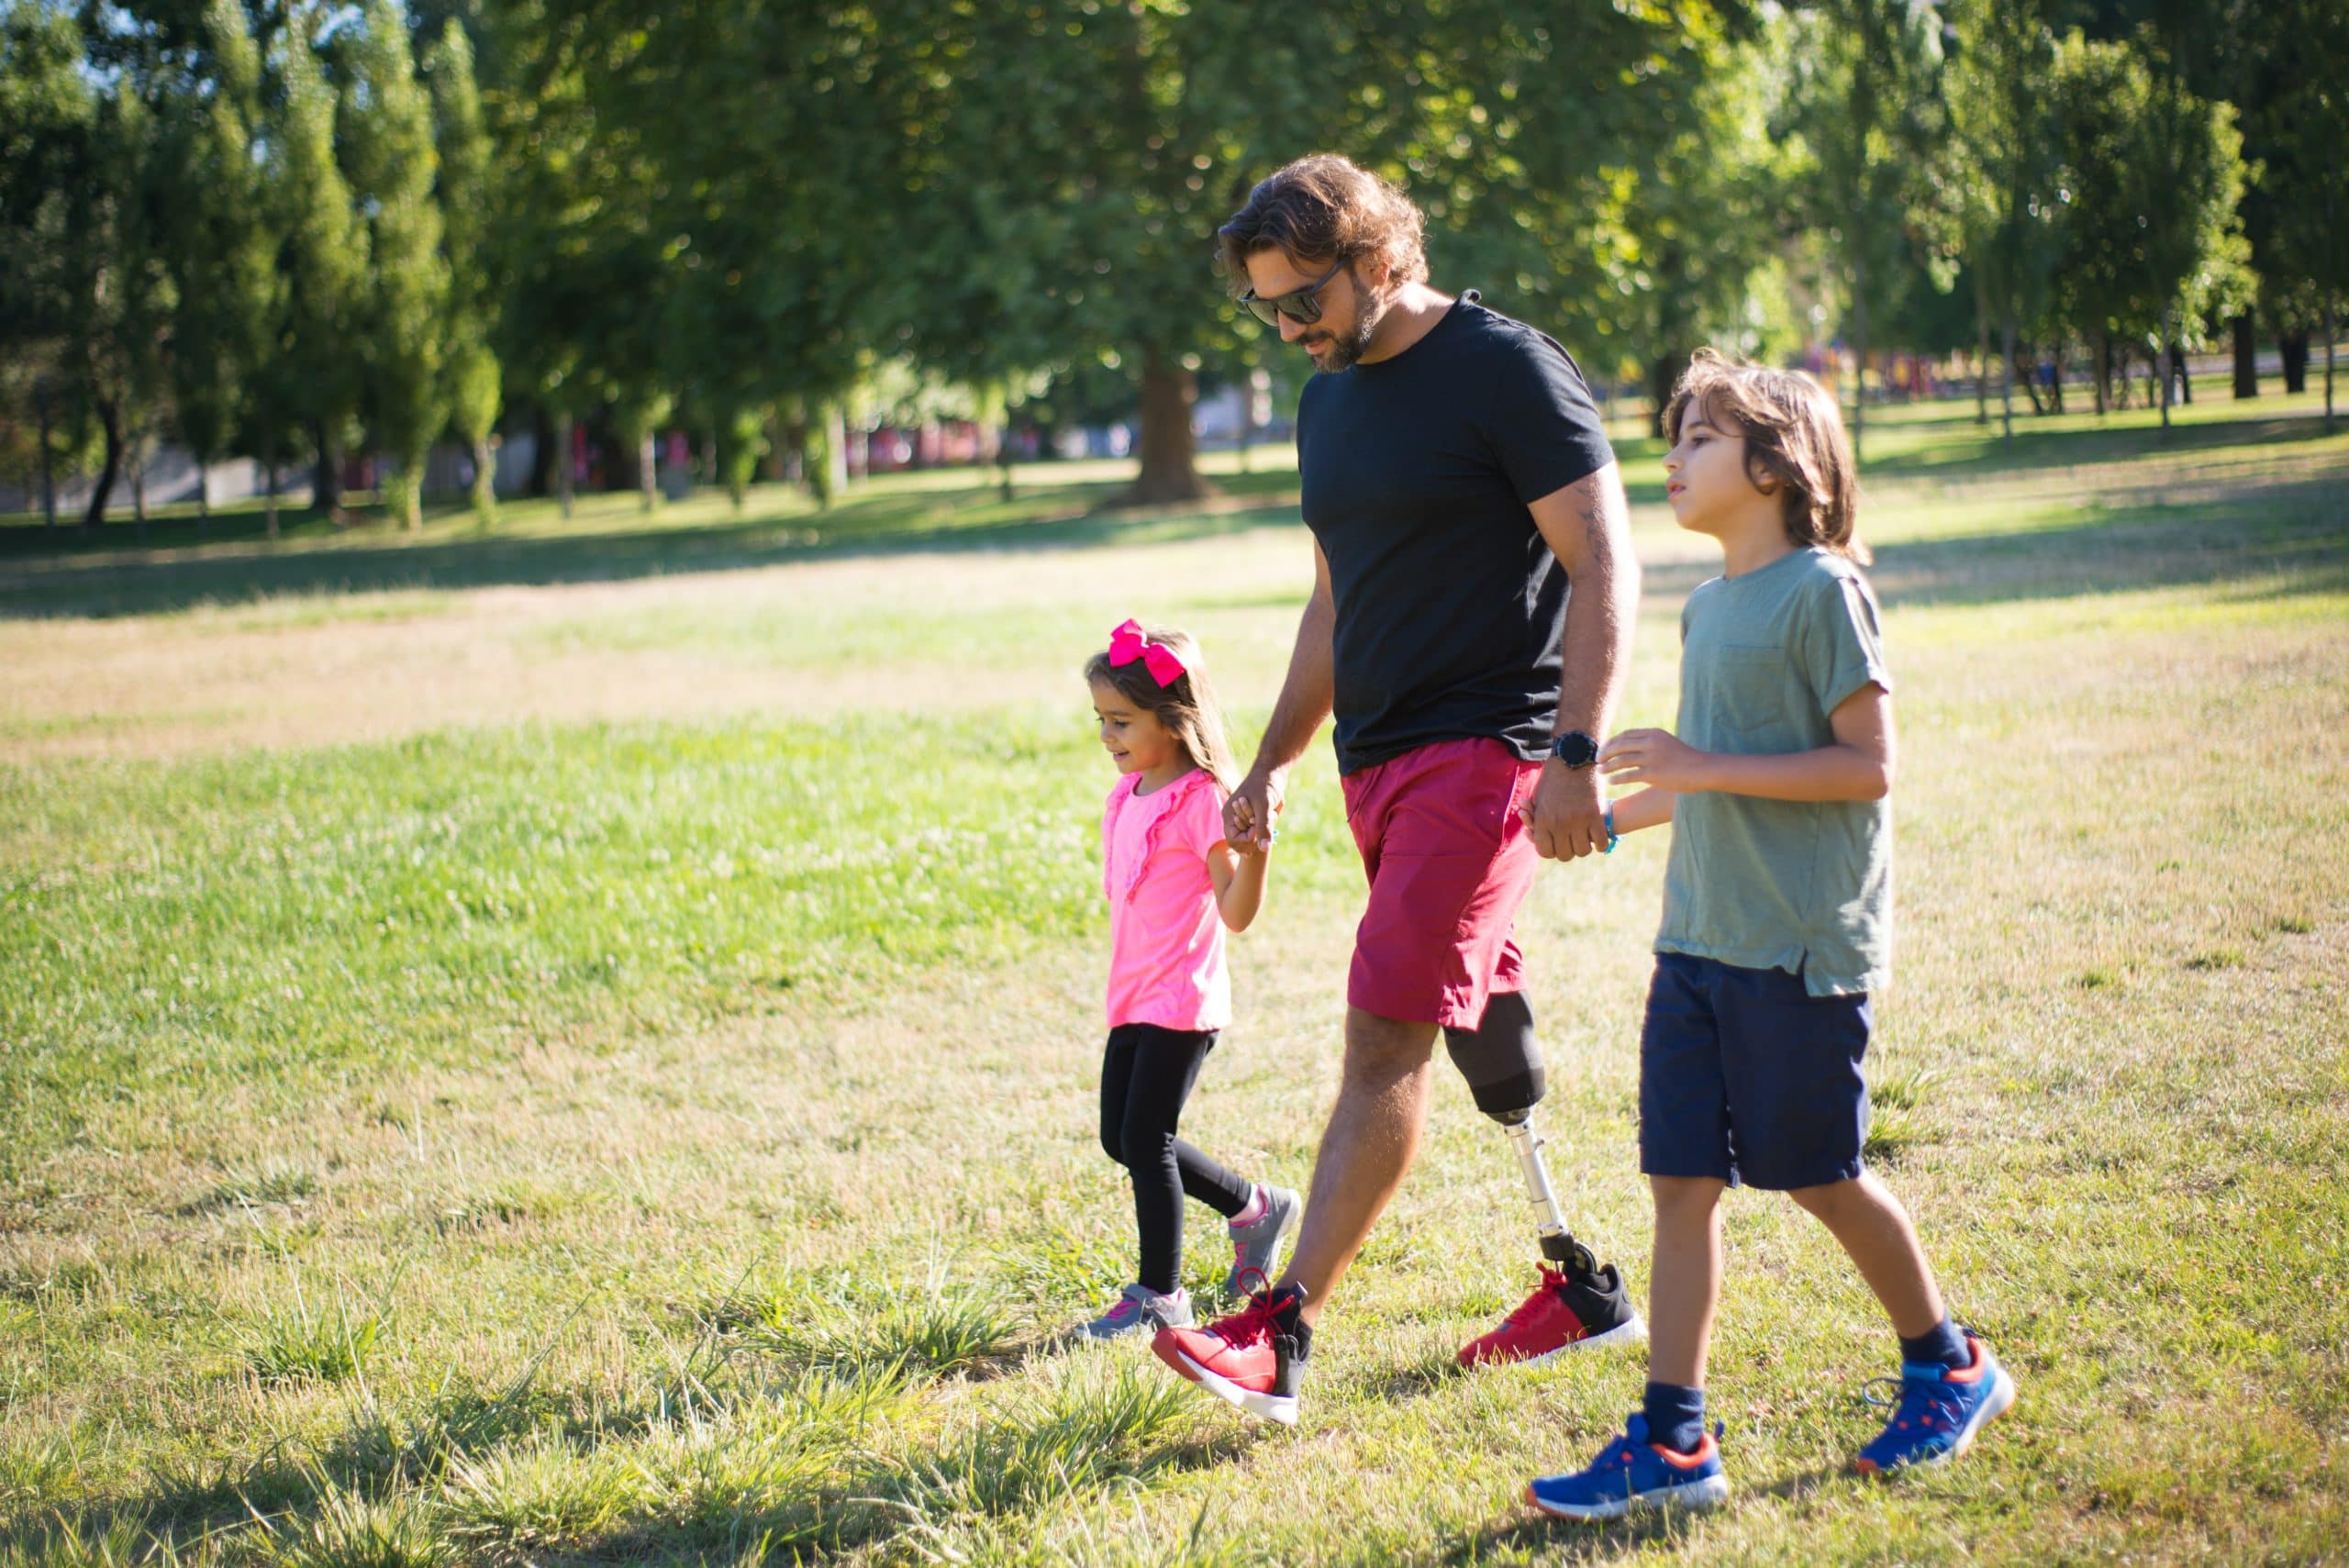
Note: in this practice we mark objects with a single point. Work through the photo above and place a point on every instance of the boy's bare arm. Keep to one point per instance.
(1858, 766)
(1649, 809)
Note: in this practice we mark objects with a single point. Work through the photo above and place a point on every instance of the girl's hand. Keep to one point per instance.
(1655, 757)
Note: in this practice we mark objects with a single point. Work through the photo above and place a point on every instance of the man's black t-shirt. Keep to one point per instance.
(1417, 473)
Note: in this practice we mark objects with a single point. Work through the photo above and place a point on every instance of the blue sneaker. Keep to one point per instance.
(1939, 1411)
(1632, 1473)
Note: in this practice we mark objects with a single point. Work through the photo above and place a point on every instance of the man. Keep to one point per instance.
(1456, 481)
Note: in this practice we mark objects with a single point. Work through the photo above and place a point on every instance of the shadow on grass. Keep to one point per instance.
(112, 573)
(783, 1469)
(1576, 1541)
(2297, 529)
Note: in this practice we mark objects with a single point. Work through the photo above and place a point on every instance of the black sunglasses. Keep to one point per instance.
(1298, 304)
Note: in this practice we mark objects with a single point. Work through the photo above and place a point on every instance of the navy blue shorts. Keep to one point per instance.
(1747, 1078)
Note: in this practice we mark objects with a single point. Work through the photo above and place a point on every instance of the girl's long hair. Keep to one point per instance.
(1187, 707)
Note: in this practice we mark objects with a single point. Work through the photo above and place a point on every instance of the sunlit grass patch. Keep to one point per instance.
(545, 1493)
(1090, 1426)
(346, 1529)
(293, 1338)
(868, 1329)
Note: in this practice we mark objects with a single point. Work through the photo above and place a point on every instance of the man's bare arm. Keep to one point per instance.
(1307, 693)
(1587, 526)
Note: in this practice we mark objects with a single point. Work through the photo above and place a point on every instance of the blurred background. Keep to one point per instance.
(310, 263)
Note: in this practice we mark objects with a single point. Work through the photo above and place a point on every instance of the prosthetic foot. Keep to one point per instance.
(1578, 1303)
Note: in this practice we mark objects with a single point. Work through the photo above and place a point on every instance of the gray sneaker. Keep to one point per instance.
(1140, 1310)
(1258, 1246)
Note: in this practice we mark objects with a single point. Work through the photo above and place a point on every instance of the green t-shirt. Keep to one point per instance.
(1805, 886)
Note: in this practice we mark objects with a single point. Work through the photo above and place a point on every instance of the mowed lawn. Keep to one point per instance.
(577, 1043)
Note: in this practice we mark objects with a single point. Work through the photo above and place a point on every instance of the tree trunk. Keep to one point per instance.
(139, 482)
(110, 421)
(835, 450)
(1859, 349)
(327, 473)
(484, 489)
(2328, 361)
(563, 428)
(1663, 371)
(1004, 454)
(269, 468)
(2295, 346)
(1169, 454)
(48, 467)
(409, 488)
(647, 472)
(2246, 357)
(2055, 385)
(204, 489)
(2006, 380)
(2167, 361)
(1982, 364)
(2100, 368)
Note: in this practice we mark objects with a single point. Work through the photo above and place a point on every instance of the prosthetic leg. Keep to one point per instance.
(1577, 1303)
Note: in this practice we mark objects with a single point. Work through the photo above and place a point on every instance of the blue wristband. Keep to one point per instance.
(1613, 838)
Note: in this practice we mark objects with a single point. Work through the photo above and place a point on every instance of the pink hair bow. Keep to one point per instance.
(1129, 642)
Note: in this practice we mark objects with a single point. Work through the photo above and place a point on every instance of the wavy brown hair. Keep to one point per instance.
(1327, 208)
(1186, 706)
(1795, 444)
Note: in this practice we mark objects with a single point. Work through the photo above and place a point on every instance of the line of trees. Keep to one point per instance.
(290, 229)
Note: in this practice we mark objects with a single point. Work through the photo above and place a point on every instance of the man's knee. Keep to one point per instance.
(1380, 1050)
(1500, 1058)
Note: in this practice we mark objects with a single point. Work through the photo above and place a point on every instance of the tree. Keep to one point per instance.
(2004, 169)
(405, 311)
(1867, 105)
(311, 374)
(472, 384)
(47, 114)
(2154, 174)
(224, 247)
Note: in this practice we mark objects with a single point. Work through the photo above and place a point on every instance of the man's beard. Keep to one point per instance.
(1369, 310)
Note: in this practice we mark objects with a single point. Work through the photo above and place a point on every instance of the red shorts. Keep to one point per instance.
(1448, 863)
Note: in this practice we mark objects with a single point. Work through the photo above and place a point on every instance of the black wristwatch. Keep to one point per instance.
(1575, 748)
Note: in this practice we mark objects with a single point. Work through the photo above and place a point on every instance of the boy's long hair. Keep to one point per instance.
(1187, 707)
(1795, 444)
(1324, 207)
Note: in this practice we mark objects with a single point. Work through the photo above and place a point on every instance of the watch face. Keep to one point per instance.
(1575, 748)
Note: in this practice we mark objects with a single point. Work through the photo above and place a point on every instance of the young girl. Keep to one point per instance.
(1173, 885)
(1777, 927)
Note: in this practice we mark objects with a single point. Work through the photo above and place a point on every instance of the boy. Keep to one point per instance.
(1776, 929)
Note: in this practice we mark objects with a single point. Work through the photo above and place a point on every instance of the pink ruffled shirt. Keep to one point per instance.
(1165, 937)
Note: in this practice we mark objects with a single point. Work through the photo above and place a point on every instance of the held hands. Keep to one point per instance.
(1654, 757)
(1566, 818)
(1249, 815)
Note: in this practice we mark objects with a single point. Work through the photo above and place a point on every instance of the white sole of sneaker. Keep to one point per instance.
(2002, 1396)
(1281, 1407)
(1709, 1492)
(1630, 1333)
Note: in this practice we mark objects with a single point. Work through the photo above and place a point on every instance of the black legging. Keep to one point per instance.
(1146, 1075)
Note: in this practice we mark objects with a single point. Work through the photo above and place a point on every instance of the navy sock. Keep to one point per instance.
(1942, 1343)
(1675, 1416)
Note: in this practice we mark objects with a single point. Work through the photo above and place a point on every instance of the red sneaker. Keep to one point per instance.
(1251, 1359)
(1569, 1310)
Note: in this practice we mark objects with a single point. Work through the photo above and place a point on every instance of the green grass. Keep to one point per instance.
(667, 1137)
